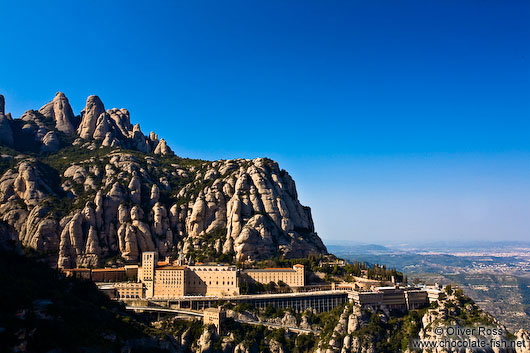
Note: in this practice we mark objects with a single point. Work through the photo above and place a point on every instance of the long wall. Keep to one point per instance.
(293, 277)
(163, 280)
(391, 298)
(170, 282)
(212, 280)
(319, 301)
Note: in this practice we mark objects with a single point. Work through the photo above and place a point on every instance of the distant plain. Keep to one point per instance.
(495, 275)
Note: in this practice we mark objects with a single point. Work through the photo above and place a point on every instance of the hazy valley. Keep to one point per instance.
(495, 275)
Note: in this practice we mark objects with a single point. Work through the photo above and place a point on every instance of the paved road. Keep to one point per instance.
(165, 310)
(272, 325)
(200, 314)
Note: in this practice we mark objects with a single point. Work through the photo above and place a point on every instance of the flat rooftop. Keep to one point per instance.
(269, 270)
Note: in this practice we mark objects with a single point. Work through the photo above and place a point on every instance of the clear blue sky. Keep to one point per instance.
(399, 120)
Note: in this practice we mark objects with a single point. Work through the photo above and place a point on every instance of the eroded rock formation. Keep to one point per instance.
(138, 196)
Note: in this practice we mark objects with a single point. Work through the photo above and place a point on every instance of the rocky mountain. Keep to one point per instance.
(86, 188)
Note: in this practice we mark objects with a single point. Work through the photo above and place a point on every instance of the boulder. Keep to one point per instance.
(103, 126)
(50, 142)
(289, 320)
(162, 148)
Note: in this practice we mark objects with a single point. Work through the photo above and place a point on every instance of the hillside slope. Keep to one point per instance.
(42, 311)
(83, 189)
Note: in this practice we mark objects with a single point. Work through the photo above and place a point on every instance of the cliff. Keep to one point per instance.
(86, 188)
(365, 331)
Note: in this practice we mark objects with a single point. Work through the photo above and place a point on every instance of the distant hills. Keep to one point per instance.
(495, 275)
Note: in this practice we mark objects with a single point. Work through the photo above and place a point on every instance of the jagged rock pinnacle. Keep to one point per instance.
(89, 117)
(60, 110)
(2, 105)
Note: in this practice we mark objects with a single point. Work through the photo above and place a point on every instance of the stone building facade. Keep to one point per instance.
(293, 277)
(212, 280)
(214, 316)
(391, 298)
(129, 290)
(165, 280)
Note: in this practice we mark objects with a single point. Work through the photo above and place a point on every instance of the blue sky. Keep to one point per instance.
(400, 121)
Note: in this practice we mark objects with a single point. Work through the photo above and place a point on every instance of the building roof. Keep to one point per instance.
(213, 267)
(171, 267)
(388, 288)
(213, 310)
(128, 284)
(108, 269)
(269, 270)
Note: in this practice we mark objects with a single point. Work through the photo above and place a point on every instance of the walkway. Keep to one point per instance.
(201, 314)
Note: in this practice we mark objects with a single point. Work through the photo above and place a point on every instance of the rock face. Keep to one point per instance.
(89, 116)
(59, 110)
(350, 334)
(50, 142)
(6, 133)
(124, 203)
(54, 126)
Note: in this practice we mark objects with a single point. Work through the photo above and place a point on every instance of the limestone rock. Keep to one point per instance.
(354, 320)
(92, 243)
(204, 343)
(6, 133)
(227, 343)
(240, 348)
(135, 190)
(523, 336)
(289, 320)
(121, 120)
(60, 110)
(305, 323)
(276, 347)
(155, 194)
(160, 220)
(103, 126)
(162, 148)
(257, 239)
(139, 140)
(89, 116)
(346, 344)
(28, 185)
(137, 200)
(50, 142)
(41, 231)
